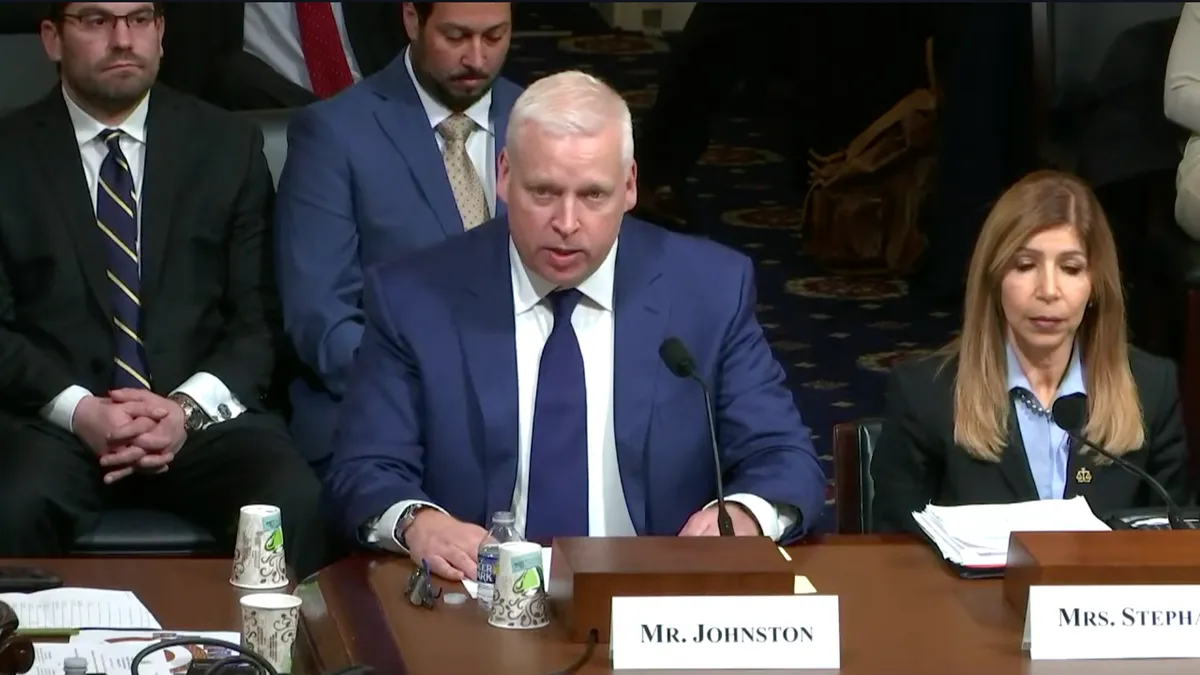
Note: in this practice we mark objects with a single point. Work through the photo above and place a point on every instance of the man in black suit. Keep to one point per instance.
(267, 55)
(138, 316)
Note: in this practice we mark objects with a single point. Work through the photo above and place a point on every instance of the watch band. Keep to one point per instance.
(406, 519)
(194, 417)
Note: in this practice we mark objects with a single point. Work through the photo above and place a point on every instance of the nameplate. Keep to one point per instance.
(726, 633)
(1113, 622)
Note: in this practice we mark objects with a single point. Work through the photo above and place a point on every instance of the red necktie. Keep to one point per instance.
(322, 46)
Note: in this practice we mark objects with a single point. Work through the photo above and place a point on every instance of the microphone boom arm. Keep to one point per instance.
(724, 522)
(1174, 518)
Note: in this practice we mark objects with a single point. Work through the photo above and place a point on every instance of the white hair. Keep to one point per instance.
(572, 103)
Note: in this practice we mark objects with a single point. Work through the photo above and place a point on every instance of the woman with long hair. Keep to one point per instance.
(1044, 318)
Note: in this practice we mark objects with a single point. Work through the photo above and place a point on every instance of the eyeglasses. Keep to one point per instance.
(101, 22)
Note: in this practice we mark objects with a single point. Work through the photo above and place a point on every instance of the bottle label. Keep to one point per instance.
(487, 567)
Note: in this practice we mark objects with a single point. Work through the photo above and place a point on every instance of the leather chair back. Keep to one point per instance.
(143, 532)
(25, 72)
(853, 446)
(274, 128)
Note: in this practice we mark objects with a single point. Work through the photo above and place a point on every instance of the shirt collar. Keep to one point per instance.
(529, 289)
(479, 112)
(1072, 382)
(88, 128)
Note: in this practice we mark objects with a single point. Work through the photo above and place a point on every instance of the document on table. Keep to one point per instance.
(473, 588)
(102, 658)
(976, 535)
(66, 609)
(177, 658)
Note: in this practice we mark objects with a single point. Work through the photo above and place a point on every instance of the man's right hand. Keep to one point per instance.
(95, 419)
(449, 546)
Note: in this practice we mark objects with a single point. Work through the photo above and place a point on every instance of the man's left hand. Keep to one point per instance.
(163, 440)
(704, 523)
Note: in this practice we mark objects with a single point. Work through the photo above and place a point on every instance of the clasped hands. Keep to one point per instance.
(130, 430)
(451, 546)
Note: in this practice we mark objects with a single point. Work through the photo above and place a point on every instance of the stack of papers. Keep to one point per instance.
(69, 609)
(175, 660)
(108, 628)
(977, 535)
(107, 659)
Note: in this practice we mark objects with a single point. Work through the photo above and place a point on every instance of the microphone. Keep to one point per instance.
(1070, 414)
(676, 358)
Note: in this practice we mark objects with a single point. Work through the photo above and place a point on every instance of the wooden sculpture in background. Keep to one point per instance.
(863, 207)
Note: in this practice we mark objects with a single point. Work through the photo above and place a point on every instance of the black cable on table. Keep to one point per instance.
(588, 650)
(233, 665)
(245, 657)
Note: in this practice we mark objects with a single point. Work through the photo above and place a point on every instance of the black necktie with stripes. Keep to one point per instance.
(116, 216)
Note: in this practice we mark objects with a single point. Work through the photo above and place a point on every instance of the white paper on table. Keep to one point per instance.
(72, 608)
(473, 587)
(177, 658)
(107, 658)
(978, 534)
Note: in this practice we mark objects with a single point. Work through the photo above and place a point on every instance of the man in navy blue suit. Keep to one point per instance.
(398, 162)
(516, 367)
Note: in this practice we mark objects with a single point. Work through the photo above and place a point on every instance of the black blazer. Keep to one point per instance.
(208, 293)
(916, 461)
(203, 55)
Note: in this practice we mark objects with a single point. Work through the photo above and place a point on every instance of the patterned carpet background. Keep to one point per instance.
(836, 336)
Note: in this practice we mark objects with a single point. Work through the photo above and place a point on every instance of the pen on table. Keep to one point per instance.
(70, 632)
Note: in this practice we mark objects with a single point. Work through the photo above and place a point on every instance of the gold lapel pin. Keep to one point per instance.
(1083, 476)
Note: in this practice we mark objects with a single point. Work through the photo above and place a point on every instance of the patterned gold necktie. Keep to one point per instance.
(116, 216)
(464, 180)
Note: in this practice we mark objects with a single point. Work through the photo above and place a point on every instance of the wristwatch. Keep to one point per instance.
(406, 518)
(194, 417)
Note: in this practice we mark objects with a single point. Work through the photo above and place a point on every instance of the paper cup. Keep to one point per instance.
(269, 625)
(519, 595)
(258, 560)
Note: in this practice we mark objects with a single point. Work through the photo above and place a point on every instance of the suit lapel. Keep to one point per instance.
(641, 308)
(403, 119)
(487, 329)
(1014, 463)
(1082, 473)
(168, 142)
(57, 155)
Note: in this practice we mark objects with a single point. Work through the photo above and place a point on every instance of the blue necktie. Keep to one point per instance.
(558, 476)
(116, 216)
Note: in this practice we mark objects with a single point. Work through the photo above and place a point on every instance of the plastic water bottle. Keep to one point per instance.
(503, 531)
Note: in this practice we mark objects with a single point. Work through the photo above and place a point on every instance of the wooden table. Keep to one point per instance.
(183, 593)
(902, 613)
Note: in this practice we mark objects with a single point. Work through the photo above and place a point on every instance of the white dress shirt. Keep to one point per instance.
(593, 319)
(481, 146)
(205, 389)
(271, 32)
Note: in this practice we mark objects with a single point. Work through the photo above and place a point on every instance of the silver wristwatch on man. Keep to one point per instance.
(194, 417)
(406, 518)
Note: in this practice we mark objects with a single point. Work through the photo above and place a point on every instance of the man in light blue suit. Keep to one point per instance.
(516, 368)
(396, 163)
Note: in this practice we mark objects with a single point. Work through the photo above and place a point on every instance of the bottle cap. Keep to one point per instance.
(454, 598)
(75, 665)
